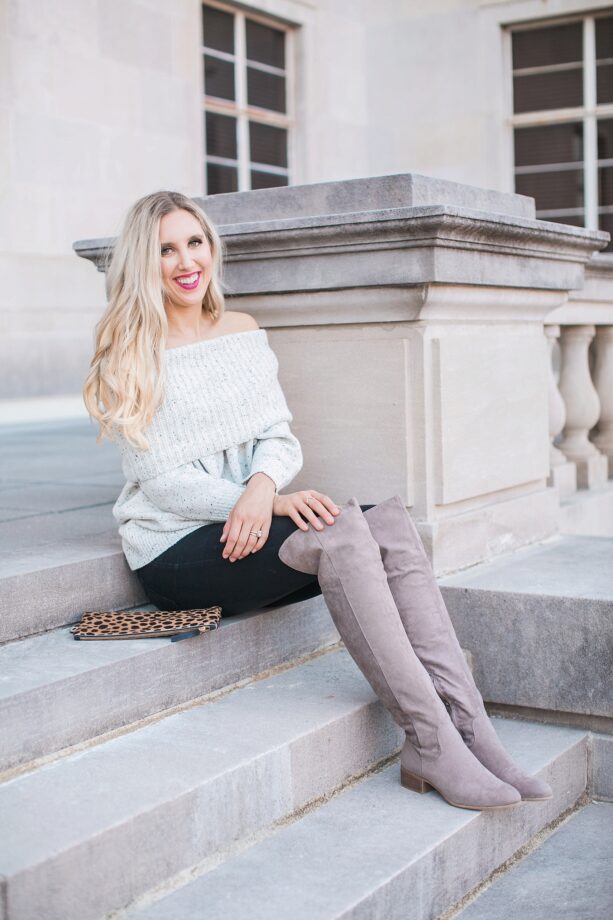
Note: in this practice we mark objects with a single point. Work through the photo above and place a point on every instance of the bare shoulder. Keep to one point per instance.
(240, 322)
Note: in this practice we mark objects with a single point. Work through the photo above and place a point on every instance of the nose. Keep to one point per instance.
(185, 258)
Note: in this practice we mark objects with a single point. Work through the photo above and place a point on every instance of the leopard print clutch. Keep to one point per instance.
(146, 624)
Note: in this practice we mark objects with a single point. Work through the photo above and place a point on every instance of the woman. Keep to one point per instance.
(191, 395)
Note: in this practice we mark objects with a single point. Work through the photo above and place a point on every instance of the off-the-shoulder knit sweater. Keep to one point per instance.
(224, 418)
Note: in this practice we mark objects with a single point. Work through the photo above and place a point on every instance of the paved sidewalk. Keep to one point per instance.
(42, 409)
(56, 484)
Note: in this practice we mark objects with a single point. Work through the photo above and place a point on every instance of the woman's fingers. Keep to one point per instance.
(256, 543)
(316, 510)
(244, 549)
(298, 521)
(326, 514)
(233, 537)
(331, 506)
(241, 541)
(245, 542)
(310, 515)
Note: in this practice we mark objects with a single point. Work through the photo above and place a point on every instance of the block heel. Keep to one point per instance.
(413, 782)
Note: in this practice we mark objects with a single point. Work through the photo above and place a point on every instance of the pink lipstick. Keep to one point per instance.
(188, 286)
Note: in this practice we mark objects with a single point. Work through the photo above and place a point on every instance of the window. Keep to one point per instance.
(563, 119)
(246, 118)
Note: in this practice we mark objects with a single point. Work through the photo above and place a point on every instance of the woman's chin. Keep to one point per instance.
(186, 298)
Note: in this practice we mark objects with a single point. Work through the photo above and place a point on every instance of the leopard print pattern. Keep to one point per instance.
(141, 624)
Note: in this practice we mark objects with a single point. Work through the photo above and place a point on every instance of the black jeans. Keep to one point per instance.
(192, 573)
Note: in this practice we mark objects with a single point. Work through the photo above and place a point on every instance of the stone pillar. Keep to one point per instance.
(563, 472)
(603, 383)
(582, 407)
(407, 314)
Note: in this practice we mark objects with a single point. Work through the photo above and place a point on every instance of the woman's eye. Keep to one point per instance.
(196, 242)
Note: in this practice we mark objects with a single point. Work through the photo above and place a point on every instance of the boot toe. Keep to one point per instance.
(499, 795)
(510, 794)
(533, 788)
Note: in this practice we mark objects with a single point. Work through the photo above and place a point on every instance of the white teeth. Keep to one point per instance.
(187, 280)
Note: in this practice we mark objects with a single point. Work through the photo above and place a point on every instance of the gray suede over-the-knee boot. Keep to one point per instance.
(430, 631)
(347, 561)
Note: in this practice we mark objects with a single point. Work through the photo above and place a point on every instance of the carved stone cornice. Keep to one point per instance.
(415, 242)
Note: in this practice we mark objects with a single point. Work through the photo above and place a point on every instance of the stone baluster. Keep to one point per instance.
(603, 382)
(563, 472)
(582, 407)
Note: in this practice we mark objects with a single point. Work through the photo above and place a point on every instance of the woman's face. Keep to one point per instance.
(186, 259)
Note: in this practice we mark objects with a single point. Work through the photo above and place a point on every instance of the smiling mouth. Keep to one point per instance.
(188, 282)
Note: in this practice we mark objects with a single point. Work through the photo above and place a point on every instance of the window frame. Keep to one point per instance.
(588, 113)
(239, 108)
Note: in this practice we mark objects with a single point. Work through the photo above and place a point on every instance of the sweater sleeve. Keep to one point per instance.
(192, 493)
(278, 454)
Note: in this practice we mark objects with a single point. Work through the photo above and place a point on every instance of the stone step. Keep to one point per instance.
(569, 875)
(90, 832)
(539, 625)
(56, 691)
(378, 850)
(42, 588)
(61, 550)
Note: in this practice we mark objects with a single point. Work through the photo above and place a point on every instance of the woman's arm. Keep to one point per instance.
(192, 493)
(278, 454)
(277, 457)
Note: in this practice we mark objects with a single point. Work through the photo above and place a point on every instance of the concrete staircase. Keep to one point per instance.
(95, 827)
(250, 771)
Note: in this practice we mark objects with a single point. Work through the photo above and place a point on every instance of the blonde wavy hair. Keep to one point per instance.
(125, 384)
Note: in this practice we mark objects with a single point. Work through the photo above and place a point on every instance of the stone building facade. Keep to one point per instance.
(104, 100)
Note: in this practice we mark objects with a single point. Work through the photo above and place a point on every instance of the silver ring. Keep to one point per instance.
(256, 533)
(308, 499)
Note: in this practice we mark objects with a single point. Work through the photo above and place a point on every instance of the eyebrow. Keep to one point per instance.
(194, 236)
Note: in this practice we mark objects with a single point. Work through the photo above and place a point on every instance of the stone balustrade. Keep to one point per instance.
(581, 383)
(407, 314)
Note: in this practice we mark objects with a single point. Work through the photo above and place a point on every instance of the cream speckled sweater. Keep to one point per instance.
(224, 418)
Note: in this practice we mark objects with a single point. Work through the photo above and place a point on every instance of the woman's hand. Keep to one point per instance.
(294, 505)
(253, 511)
